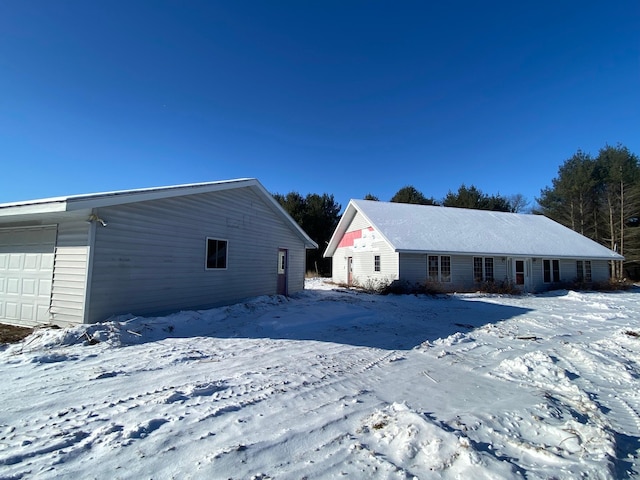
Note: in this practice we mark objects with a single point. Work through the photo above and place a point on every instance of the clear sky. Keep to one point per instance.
(340, 97)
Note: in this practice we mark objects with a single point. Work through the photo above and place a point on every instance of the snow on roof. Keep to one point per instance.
(427, 228)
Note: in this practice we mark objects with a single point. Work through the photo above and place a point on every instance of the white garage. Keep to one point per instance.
(26, 272)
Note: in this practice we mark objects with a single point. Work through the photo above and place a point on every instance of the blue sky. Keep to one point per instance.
(339, 97)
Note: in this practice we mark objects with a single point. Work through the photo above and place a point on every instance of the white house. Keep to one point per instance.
(84, 258)
(459, 249)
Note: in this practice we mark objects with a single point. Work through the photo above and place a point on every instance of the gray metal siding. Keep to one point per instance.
(413, 267)
(568, 272)
(150, 258)
(600, 270)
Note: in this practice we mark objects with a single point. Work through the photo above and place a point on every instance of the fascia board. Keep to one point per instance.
(309, 243)
(615, 256)
(345, 220)
(18, 210)
(142, 195)
(344, 223)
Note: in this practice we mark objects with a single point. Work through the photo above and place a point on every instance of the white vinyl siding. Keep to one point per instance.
(363, 262)
(358, 223)
(364, 266)
(26, 272)
(71, 268)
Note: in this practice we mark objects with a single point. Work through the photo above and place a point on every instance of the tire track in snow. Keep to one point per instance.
(335, 399)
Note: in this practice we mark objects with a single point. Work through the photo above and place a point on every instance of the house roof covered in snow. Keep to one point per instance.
(12, 212)
(435, 229)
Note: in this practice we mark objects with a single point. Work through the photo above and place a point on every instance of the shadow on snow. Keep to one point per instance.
(347, 317)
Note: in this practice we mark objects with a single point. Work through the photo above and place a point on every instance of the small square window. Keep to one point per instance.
(216, 254)
(376, 263)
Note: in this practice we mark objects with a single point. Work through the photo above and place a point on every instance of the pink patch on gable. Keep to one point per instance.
(349, 237)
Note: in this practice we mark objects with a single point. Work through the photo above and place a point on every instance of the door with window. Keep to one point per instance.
(349, 271)
(283, 266)
(522, 272)
(519, 272)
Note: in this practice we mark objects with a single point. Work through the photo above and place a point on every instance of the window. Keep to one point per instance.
(579, 271)
(445, 269)
(439, 268)
(477, 269)
(216, 253)
(551, 271)
(488, 269)
(583, 270)
(376, 263)
(587, 270)
(556, 270)
(432, 268)
(483, 269)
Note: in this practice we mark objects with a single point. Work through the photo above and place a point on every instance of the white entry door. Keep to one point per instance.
(522, 272)
(26, 273)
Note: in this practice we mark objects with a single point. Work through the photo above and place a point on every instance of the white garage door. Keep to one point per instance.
(26, 273)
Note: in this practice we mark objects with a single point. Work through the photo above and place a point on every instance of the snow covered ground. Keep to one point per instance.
(332, 384)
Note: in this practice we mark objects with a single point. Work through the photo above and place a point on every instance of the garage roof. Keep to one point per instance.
(24, 209)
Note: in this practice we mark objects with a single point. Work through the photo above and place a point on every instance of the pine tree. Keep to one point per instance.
(410, 194)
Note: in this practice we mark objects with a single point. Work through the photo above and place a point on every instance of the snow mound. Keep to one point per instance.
(409, 442)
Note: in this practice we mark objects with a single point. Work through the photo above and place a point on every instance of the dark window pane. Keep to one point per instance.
(216, 253)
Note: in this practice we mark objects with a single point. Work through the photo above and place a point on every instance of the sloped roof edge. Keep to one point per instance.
(105, 199)
(343, 224)
(117, 197)
(421, 229)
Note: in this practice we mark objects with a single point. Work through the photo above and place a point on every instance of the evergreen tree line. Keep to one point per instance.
(598, 197)
(318, 215)
(465, 197)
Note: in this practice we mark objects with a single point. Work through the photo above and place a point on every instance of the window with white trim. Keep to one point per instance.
(551, 271)
(483, 269)
(439, 268)
(216, 254)
(376, 263)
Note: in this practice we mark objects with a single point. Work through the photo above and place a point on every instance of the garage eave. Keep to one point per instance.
(9, 210)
